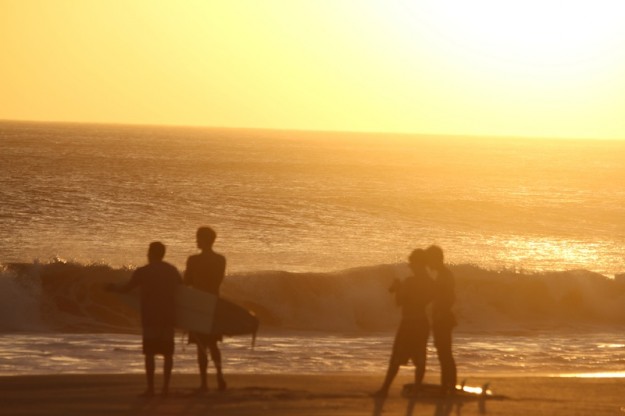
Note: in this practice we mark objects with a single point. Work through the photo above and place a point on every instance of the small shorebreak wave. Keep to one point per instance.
(70, 297)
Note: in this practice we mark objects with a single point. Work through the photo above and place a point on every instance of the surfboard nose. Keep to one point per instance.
(231, 319)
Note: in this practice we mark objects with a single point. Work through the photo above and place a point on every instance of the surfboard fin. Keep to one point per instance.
(254, 339)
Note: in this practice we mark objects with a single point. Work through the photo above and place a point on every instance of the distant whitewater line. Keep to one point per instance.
(68, 297)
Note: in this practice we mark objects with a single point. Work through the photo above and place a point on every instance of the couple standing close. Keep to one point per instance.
(413, 295)
(157, 282)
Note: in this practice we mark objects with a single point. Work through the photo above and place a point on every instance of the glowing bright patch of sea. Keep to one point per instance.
(573, 355)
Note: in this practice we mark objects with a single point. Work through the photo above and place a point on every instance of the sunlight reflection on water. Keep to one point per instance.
(591, 355)
(607, 374)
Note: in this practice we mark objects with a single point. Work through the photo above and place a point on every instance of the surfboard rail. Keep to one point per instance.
(206, 313)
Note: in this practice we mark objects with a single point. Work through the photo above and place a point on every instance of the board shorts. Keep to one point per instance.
(410, 341)
(203, 339)
(158, 340)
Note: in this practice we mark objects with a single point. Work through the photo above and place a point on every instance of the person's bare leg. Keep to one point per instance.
(443, 342)
(168, 365)
(202, 361)
(149, 375)
(393, 369)
(419, 373)
(216, 357)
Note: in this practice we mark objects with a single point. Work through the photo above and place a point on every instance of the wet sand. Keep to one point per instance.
(301, 395)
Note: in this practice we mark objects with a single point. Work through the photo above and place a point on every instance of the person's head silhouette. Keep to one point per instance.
(205, 238)
(417, 258)
(156, 252)
(435, 257)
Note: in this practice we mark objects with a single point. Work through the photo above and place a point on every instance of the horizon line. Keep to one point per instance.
(303, 130)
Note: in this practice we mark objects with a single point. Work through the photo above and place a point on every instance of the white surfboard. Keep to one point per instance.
(204, 312)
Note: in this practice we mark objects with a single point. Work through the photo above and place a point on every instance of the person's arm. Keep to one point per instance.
(447, 288)
(186, 278)
(222, 272)
(179, 277)
(126, 287)
(399, 296)
(408, 292)
(396, 288)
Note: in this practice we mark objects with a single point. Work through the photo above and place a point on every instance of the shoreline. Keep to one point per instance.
(294, 394)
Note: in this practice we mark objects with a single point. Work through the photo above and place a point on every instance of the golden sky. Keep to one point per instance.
(480, 67)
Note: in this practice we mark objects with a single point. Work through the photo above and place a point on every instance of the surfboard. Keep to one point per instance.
(204, 312)
(462, 391)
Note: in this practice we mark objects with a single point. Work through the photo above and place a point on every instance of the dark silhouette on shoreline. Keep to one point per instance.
(206, 271)
(443, 319)
(157, 282)
(412, 295)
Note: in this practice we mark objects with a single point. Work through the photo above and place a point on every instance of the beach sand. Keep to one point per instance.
(301, 395)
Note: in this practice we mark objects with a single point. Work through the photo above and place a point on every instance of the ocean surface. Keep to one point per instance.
(314, 226)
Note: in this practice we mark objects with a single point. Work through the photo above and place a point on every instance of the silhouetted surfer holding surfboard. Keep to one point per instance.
(413, 295)
(205, 271)
(157, 282)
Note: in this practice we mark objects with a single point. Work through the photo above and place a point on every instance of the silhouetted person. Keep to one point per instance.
(443, 319)
(413, 295)
(205, 271)
(157, 283)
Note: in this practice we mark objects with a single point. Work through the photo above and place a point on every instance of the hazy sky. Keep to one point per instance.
(530, 67)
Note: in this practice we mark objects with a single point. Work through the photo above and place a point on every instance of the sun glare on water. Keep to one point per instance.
(613, 374)
(475, 390)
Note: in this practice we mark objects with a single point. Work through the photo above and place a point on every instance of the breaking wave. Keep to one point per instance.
(69, 297)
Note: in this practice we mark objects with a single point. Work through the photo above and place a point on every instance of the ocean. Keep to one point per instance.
(314, 226)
